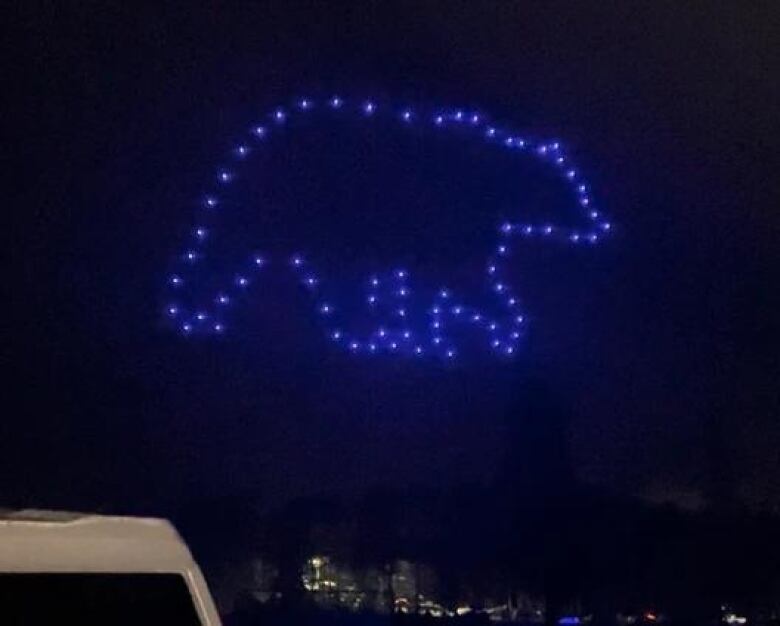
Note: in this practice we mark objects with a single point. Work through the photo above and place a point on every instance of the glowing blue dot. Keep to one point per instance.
(435, 310)
(403, 291)
(325, 309)
(371, 299)
(191, 255)
(401, 273)
(444, 293)
(476, 317)
(571, 174)
(369, 108)
(354, 345)
(512, 301)
(407, 334)
(439, 120)
(475, 119)
(500, 287)
(242, 151)
(593, 215)
(582, 188)
(436, 324)
(585, 201)
(224, 176)
(491, 132)
(515, 335)
(509, 350)
(459, 115)
(259, 131)
(176, 280)
(593, 238)
(407, 115)
(372, 347)
(509, 141)
(382, 332)
(223, 299)
(502, 249)
(457, 310)
(375, 282)
(310, 281)
(218, 328)
(393, 345)
(575, 237)
(200, 233)
(336, 102)
(606, 226)
(201, 316)
(528, 230)
(495, 343)
(186, 327)
(211, 201)
(493, 326)
(418, 350)
(450, 354)
(336, 335)
(402, 312)
(259, 261)
(279, 115)
(519, 319)
(491, 269)
(542, 150)
(548, 230)
(559, 161)
(297, 261)
(437, 340)
(242, 282)
(506, 228)
(305, 104)
(172, 310)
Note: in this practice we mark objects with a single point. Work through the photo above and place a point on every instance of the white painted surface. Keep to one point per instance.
(42, 541)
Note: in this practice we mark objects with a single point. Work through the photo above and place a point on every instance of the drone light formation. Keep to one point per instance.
(428, 332)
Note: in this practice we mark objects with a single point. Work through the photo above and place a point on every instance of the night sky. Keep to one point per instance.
(660, 346)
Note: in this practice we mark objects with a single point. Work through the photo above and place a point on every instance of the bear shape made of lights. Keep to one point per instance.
(397, 331)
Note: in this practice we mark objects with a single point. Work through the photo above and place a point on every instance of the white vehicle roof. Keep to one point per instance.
(33, 541)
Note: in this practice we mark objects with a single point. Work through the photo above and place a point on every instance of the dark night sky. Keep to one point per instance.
(661, 346)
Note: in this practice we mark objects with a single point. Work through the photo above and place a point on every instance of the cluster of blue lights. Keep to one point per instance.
(390, 296)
